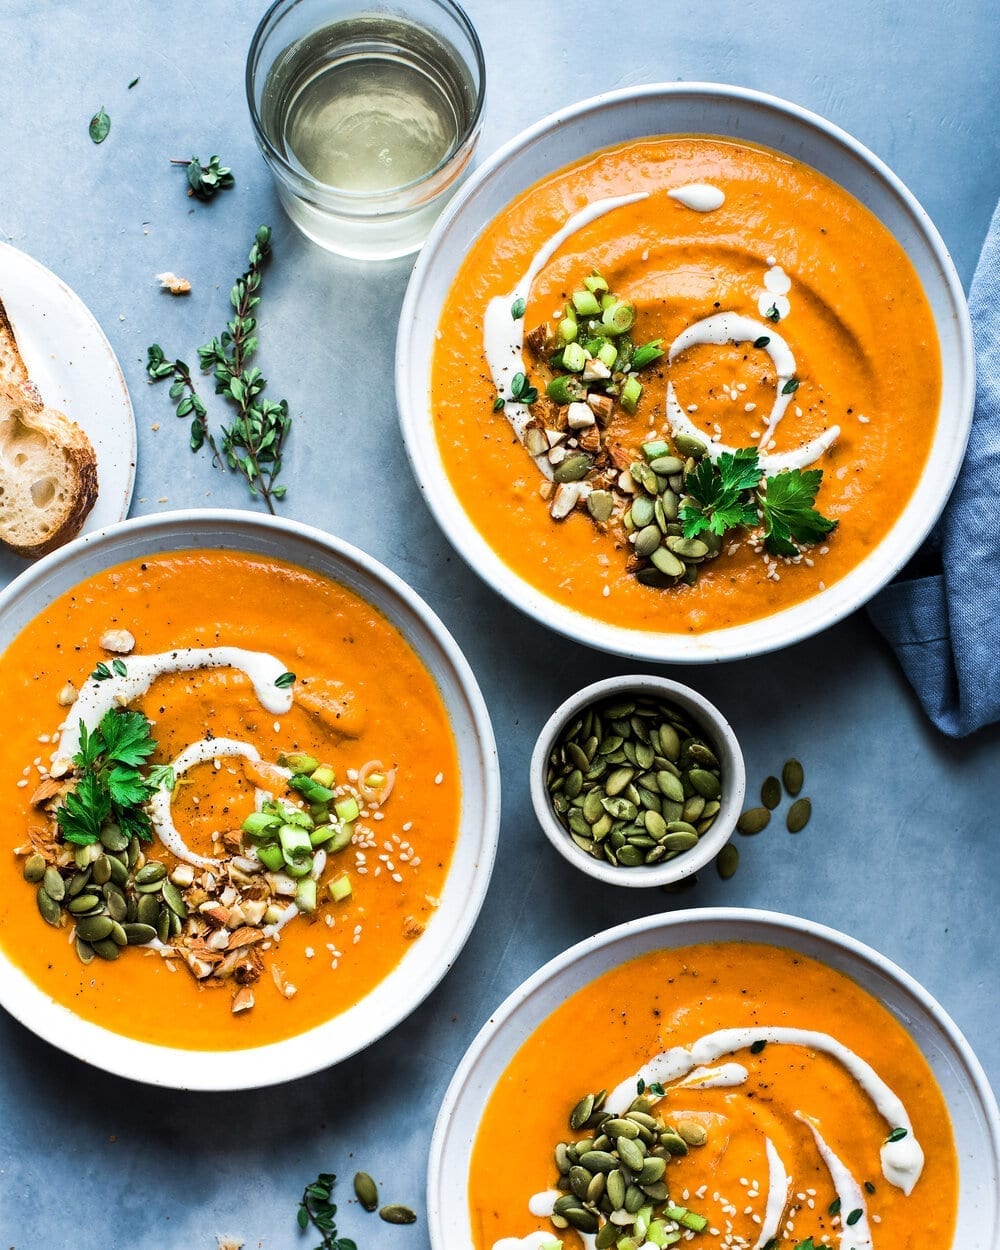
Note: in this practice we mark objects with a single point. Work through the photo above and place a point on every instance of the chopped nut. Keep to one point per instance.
(46, 790)
(67, 696)
(253, 910)
(579, 416)
(590, 440)
(120, 641)
(242, 1000)
(182, 875)
(602, 406)
(535, 441)
(228, 896)
(229, 1243)
(537, 340)
(566, 497)
(595, 369)
(281, 981)
(245, 936)
(176, 286)
(214, 912)
(555, 436)
(557, 455)
(198, 967)
(547, 489)
(236, 917)
(218, 941)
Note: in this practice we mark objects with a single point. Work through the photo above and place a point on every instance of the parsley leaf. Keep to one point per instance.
(718, 491)
(790, 520)
(127, 787)
(126, 737)
(84, 810)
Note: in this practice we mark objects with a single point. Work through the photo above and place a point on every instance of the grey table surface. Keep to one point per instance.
(901, 852)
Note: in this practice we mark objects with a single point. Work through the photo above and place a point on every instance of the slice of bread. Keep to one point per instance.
(48, 472)
(12, 366)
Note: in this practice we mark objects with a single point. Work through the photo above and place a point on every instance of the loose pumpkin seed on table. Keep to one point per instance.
(633, 782)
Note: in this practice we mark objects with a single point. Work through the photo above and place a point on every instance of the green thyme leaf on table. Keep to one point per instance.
(110, 784)
(318, 1209)
(786, 506)
(133, 83)
(100, 124)
(253, 443)
(205, 180)
(717, 493)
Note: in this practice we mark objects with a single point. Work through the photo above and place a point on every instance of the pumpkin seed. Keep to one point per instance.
(792, 775)
(727, 861)
(113, 839)
(770, 793)
(84, 951)
(692, 1132)
(581, 1219)
(573, 468)
(642, 512)
(77, 882)
(366, 1190)
(631, 1153)
(118, 934)
(582, 1112)
(83, 903)
(667, 563)
(679, 841)
(690, 446)
(647, 541)
(608, 1236)
(598, 1161)
(173, 899)
(139, 934)
(689, 548)
(150, 872)
(55, 886)
(651, 1171)
(94, 929)
(600, 505)
(396, 1214)
(34, 868)
(753, 820)
(48, 908)
(579, 1181)
(706, 783)
(106, 949)
(798, 815)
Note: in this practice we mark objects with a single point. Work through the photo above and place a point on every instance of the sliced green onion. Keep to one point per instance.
(595, 283)
(294, 842)
(574, 357)
(653, 451)
(618, 317)
(324, 776)
(347, 808)
(607, 301)
(631, 390)
(341, 838)
(305, 895)
(310, 790)
(260, 824)
(607, 354)
(645, 355)
(340, 888)
(568, 329)
(320, 836)
(565, 390)
(271, 857)
(298, 762)
(586, 304)
(687, 1219)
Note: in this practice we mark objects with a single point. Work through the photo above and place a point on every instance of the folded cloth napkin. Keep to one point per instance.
(945, 628)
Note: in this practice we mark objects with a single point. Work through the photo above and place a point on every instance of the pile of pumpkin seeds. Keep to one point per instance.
(612, 1179)
(112, 894)
(756, 819)
(632, 782)
(663, 556)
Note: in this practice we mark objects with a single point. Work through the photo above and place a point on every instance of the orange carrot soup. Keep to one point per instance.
(230, 799)
(734, 1096)
(685, 383)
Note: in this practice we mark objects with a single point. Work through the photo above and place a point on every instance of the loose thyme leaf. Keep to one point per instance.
(101, 672)
(100, 124)
(786, 506)
(133, 83)
(517, 309)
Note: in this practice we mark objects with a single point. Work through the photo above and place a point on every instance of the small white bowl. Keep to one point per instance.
(972, 1106)
(719, 735)
(426, 961)
(572, 134)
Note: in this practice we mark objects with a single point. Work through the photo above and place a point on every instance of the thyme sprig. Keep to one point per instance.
(316, 1208)
(252, 444)
(205, 180)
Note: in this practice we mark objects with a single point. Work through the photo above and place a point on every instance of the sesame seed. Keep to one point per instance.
(277, 726)
(438, 779)
(309, 952)
(863, 419)
(692, 407)
(606, 592)
(21, 784)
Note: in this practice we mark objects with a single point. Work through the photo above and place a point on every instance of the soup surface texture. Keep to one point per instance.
(352, 691)
(787, 1135)
(794, 302)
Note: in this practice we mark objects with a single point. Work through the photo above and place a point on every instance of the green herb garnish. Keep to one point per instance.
(869, 1187)
(646, 354)
(790, 387)
(284, 681)
(772, 313)
(521, 389)
(133, 82)
(100, 124)
(834, 1207)
(719, 492)
(762, 341)
(640, 1086)
(110, 786)
(897, 1134)
(656, 1089)
(790, 520)
(517, 308)
(120, 668)
(758, 1046)
(205, 180)
(252, 444)
(854, 1216)
(317, 1209)
(808, 1244)
(498, 403)
(101, 672)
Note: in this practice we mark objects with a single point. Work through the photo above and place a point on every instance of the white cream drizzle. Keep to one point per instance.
(722, 1077)
(777, 284)
(778, 1182)
(202, 752)
(97, 697)
(728, 327)
(699, 196)
(530, 1241)
(854, 1236)
(503, 337)
(902, 1161)
(542, 1205)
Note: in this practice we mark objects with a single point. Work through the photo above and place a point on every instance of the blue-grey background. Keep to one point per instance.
(902, 849)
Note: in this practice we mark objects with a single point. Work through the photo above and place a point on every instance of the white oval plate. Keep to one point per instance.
(685, 108)
(74, 367)
(971, 1103)
(427, 960)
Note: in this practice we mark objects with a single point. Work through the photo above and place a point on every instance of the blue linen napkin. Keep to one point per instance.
(945, 628)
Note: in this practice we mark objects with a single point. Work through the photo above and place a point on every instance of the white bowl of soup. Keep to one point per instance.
(252, 800)
(774, 1079)
(685, 372)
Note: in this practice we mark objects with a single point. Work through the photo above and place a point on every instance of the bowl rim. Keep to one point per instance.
(715, 725)
(255, 1067)
(777, 630)
(711, 918)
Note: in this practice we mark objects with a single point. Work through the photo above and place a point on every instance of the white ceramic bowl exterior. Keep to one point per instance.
(971, 1103)
(686, 108)
(718, 733)
(426, 962)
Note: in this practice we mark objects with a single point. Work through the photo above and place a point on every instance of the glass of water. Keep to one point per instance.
(367, 116)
